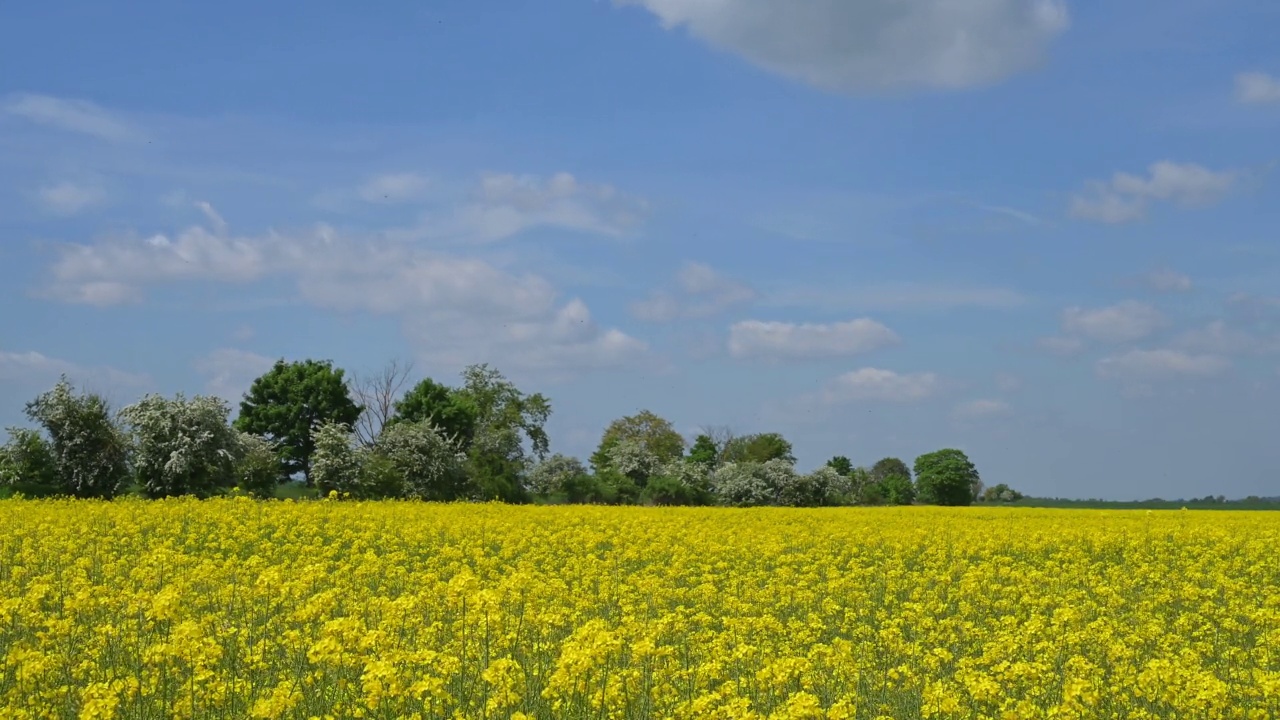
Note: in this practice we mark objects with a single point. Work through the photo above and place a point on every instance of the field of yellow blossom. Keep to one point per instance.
(236, 608)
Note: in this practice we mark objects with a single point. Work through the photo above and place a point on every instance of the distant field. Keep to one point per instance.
(234, 608)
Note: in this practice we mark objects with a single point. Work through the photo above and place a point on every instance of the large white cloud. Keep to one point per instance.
(873, 45)
(458, 309)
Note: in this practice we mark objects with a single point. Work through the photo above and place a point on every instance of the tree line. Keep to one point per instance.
(378, 437)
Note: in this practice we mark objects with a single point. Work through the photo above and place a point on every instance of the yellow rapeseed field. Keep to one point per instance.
(235, 608)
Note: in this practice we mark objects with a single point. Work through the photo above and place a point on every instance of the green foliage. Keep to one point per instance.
(452, 413)
(842, 465)
(28, 465)
(182, 446)
(889, 466)
(758, 448)
(90, 453)
(897, 490)
(1002, 493)
(257, 471)
(679, 482)
(289, 402)
(946, 477)
(704, 452)
(654, 434)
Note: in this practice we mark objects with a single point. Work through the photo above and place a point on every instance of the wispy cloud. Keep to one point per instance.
(700, 292)
(1257, 88)
(68, 198)
(78, 116)
(1126, 198)
(756, 339)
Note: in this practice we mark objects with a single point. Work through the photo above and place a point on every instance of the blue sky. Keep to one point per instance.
(1042, 231)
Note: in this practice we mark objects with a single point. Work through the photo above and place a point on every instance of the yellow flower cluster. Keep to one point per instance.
(235, 608)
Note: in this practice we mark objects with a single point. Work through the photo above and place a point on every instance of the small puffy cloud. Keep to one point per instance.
(875, 45)
(229, 372)
(1167, 280)
(78, 116)
(979, 409)
(394, 188)
(876, 384)
(1257, 88)
(1123, 322)
(701, 292)
(1126, 197)
(68, 198)
(1161, 364)
(791, 341)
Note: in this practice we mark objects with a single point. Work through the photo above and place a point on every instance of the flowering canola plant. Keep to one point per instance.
(233, 608)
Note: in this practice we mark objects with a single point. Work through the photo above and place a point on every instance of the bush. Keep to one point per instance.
(27, 465)
(898, 490)
(90, 452)
(181, 446)
(258, 470)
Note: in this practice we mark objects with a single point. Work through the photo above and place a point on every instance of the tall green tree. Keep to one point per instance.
(90, 452)
(656, 435)
(445, 407)
(182, 446)
(946, 477)
(758, 448)
(288, 402)
(506, 419)
(842, 465)
(886, 467)
(704, 452)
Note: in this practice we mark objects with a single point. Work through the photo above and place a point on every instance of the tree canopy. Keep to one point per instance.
(946, 477)
(288, 402)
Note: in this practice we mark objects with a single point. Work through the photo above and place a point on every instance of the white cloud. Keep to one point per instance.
(791, 341)
(874, 45)
(1123, 322)
(35, 368)
(1162, 364)
(978, 409)
(77, 116)
(1167, 280)
(505, 205)
(1257, 88)
(1218, 338)
(1008, 382)
(702, 292)
(68, 198)
(875, 384)
(229, 372)
(458, 309)
(1126, 197)
(394, 188)
(894, 296)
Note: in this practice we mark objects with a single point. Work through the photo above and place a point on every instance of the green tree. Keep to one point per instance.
(704, 452)
(889, 466)
(27, 464)
(945, 477)
(842, 465)
(287, 403)
(1002, 493)
(90, 452)
(758, 448)
(257, 469)
(654, 434)
(444, 406)
(897, 490)
(182, 446)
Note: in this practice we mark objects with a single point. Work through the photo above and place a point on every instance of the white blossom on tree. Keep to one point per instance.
(554, 474)
(90, 451)
(182, 446)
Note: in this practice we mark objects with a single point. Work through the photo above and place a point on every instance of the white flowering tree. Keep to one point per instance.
(337, 463)
(182, 446)
(679, 482)
(753, 483)
(557, 474)
(90, 452)
(420, 457)
(258, 468)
